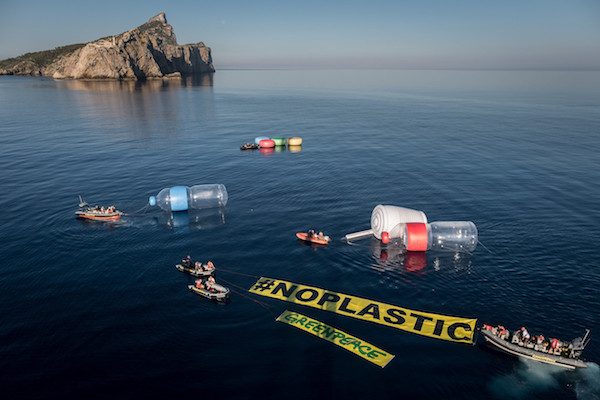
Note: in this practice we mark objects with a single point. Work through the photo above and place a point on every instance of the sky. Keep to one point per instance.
(463, 34)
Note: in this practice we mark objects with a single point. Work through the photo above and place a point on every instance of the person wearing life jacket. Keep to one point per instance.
(524, 334)
(540, 339)
(210, 266)
(199, 284)
(209, 283)
(554, 344)
(187, 261)
(197, 266)
(502, 332)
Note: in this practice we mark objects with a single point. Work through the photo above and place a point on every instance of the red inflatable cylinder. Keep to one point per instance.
(416, 237)
(267, 143)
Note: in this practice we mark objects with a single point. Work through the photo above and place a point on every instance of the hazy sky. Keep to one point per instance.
(352, 34)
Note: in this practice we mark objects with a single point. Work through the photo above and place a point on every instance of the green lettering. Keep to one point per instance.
(328, 331)
(346, 340)
(310, 324)
(365, 352)
(375, 354)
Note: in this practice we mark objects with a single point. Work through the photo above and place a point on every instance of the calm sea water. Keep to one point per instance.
(92, 310)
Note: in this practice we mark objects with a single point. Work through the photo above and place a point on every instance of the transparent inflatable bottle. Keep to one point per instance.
(455, 236)
(182, 198)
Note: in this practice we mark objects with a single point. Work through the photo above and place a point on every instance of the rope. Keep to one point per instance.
(219, 269)
(141, 210)
(260, 303)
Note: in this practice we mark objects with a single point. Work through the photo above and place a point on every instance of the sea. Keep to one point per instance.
(92, 310)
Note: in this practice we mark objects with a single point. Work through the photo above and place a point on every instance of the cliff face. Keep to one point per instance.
(146, 52)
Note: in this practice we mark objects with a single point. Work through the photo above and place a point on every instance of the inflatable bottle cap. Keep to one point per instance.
(152, 200)
(385, 237)
(416, 237)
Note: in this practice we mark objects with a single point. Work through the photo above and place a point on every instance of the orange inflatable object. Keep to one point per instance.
(268, 143)
(97, 216)
(304, 236)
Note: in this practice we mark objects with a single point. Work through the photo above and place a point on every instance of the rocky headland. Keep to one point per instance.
(149, 51)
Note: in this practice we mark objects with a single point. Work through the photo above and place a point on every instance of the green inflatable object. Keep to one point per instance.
(279, 141)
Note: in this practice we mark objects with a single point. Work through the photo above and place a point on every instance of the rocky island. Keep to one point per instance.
(149, 51)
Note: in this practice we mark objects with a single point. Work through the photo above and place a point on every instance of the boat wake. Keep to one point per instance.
(528, 378)
(531, 378)
(587, 386)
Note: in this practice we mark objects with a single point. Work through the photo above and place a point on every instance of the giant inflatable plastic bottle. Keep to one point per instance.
(183, 198)
(386, 222)
(457, 236)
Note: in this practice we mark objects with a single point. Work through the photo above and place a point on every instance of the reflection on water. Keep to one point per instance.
(136, 86)
(394, 257)
(139, 108)
(193, 219)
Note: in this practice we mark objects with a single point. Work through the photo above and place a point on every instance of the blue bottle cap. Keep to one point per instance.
(152, 201)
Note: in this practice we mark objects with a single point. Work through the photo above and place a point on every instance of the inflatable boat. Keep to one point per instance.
(97, 213)
(304, 236)
(567, 358)
(193, 272)
(221, 293)
(249, 146)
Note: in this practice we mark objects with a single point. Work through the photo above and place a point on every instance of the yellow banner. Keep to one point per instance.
(357, 346)
(454, 329)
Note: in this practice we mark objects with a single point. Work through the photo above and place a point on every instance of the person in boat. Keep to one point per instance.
(502, 332)
(209, 284)
(199, 284)
(525, 334)
(198, 267)
(187, 261)
(311, 233)
(210, 266)
(553, 345)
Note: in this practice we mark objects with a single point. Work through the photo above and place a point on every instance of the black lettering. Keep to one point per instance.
(372, 309)
(452, 330)
(439, 325)
(420, 320)
(284, 290)
(397, 316)
(331, 297)
(313, 294)
(344, 306)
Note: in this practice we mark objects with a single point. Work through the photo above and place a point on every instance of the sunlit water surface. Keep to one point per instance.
(91, 310)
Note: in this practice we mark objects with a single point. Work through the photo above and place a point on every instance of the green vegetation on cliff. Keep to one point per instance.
(40, 58)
